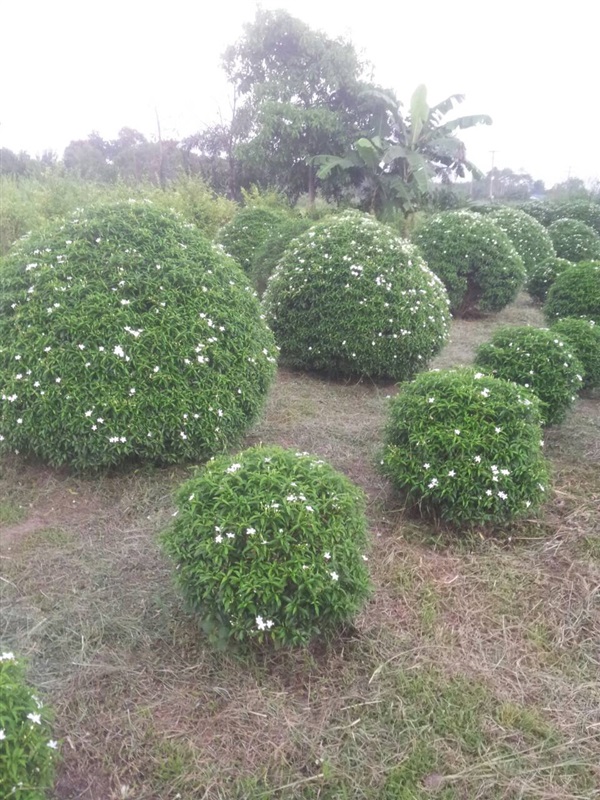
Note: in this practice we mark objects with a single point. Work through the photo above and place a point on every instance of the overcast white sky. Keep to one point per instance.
(69, 67)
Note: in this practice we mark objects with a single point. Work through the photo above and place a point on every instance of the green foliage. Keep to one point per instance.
(583, 337)
(27, 751)
(575, 293)
(582, 210)
(538, 360)
(529, 237)
(476, 261)
(247, 231)
(574, 240)
(540, 210)
(541, 277)
(269, 546)
(271, 250)
(352, 298)
(465, 447)
(125, 334)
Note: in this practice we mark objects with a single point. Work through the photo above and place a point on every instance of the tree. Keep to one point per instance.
(397, 163)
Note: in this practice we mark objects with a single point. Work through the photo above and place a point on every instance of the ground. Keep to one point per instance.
(473, 672)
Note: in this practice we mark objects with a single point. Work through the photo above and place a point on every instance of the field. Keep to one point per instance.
(473, 672)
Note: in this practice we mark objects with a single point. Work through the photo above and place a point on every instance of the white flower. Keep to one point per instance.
(485, 393)
(125, 302)
(118, 351)
(433, 483)
(498, 430)
(365, 558)
(505, 471)
(132, 391)
(334, 576)
(230, 535)
(58, 380)
(457, 431)
(488, 492)
(327, 556)
(426, 465)
(2, 735)
(52, 744)
(218, 538)
(477, 459)
(309, 508)
(451, 474)
(35, 718)
(233, 468)
(478, 375)
(260, 623)
(502, 495)
(7, 656)
(156, 369)
(250, 531)
(431, 399)
(19, 421)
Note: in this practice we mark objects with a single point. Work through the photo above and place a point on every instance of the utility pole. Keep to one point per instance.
(493, 152)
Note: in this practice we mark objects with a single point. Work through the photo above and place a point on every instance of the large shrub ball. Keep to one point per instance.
(541, 210)
(269, 253)
(247, 231)
(541, 277)
(352, 298)
(537, 359)
(124, 334)
(269, 544)
(575, 293)
(583, 210)
(27, 750)
(574, 240)
(583, 337)
(530, 239)
(466, 448)
(476, 261)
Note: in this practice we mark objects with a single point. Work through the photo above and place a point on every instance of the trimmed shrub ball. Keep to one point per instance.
(269, 545)
(248, 230)
(575, 293)
(125, 335)
(582, 210)
(574, 240)
(466, 447)
(352, 298)
(539, 360)
(541, 278)
(27, 751)
(476, 261)
(583, 337)
(541, 210)
(268, 254)
(530, 239)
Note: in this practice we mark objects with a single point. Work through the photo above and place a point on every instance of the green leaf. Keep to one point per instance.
(419, 112)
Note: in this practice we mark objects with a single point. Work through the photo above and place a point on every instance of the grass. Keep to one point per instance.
(472, 673)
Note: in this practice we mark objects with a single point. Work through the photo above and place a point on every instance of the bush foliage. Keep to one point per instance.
(538, 360)
(466, 447)
(541, 278)
(476, 261)
(248, 231)
(269, 545)
(575, 293)
(530, 239)
(271, 250)
(124, 334)
(352, 298)
(27, 750)
(582, 210)
(574, 240)
(583, 337)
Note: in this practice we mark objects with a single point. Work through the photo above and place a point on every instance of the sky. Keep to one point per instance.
(69, 68)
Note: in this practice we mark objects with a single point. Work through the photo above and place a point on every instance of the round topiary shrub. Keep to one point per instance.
(466, 447)
(27, 750)
(270, 545)
(530, 239)
(352, 298)
(476, 261)
(247, 231)
(268, 254)
(574, 240)
(124, 334)
(575, 293)
(541, 210)
(583, 337)
(541, 278)
(538, 360)
(583, 210)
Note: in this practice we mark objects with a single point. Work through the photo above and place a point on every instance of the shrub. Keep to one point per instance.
(530, 239)
(582, 210)
(352, 298)
(542, 277)
(465, 447)
(247, 231)
(583, 337)
(540, 210)
(575, 293)
(479, 266)
(269, 546)
(268, 254)
(124, 334)
(27, 751)
(574, 240)
(536, 359)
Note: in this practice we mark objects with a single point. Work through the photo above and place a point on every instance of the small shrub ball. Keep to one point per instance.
(575, 293)
(466, 448)
(247, 232)
(583, 337)
(269, 545)
(351, 298)
(539, 360)
(541, 277)
(269, 253)
(583, 210)
(574, 240)
(125, 335)
(530, 239)
(474, 258)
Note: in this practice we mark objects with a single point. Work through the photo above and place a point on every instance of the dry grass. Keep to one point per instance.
(472, 673)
